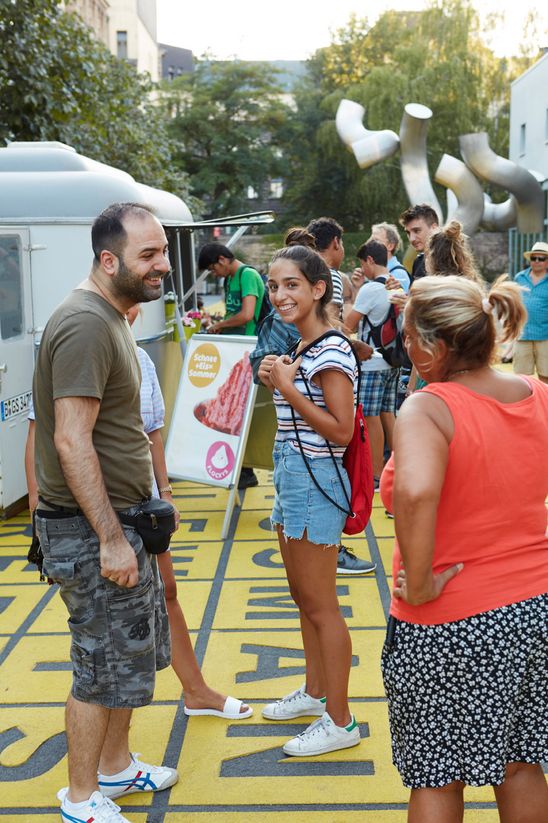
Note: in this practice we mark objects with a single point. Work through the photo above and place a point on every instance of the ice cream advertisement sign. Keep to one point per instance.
(212, 411)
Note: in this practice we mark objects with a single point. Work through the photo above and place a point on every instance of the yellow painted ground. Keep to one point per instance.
(246, 632)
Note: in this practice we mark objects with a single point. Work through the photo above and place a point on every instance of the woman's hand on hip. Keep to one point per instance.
(430, 591)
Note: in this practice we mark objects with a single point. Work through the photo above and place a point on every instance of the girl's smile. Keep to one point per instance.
(291, 294)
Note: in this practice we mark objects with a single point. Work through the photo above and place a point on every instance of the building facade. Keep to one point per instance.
(95, 14)
(529, 145)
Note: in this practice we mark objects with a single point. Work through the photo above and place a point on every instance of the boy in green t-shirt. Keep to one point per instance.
(244, 289)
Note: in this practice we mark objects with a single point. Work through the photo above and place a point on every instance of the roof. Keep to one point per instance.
(50, 182)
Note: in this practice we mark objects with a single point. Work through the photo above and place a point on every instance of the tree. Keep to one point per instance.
(58, 83)
(436, 57)
(228, 121)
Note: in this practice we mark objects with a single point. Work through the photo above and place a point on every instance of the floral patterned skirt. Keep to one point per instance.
(468, 697)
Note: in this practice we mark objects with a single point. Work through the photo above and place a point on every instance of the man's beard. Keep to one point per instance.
(128, 285)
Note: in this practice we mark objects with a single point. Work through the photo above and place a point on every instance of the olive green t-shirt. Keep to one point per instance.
(87, 350)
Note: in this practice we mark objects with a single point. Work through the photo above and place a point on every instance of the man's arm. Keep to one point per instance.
(75, 419)
(245, 314)
(32, 485)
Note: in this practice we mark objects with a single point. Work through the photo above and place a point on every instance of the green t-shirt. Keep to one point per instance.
(87, 350)
(244, 282)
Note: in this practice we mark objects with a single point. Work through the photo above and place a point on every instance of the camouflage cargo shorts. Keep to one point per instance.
(120, 636)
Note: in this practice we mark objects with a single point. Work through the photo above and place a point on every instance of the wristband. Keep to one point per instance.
(166, 489)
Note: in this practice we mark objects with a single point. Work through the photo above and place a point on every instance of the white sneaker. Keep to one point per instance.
(138, 777)
(98, 808)
(296, 704)
(323, 736)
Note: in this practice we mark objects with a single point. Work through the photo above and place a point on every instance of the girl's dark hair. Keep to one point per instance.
(299, 236)
(448, 252)
(313, 267)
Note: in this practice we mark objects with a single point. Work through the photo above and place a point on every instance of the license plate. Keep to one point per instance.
(15, 405)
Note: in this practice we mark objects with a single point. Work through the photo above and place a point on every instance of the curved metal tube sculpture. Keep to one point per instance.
(414, 167)
(456, 177)
(529, 196)
(369, 147)
(499, 216)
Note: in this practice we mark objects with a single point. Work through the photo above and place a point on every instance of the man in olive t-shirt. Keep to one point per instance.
(92, 461)
(244, 289)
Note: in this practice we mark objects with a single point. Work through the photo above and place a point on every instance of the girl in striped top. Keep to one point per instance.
(308, 526)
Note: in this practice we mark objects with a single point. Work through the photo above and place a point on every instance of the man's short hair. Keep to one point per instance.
(422, 211)
(108, 232)
(374, 249)
(325, 229)
(210, 254)
(392, 234)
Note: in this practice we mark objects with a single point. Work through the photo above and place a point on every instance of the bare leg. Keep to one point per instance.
(376, 438)
(523, 797)
(198, 695)
(85, 723)
(313, 578)
(435, 805)
(315, 677)
(115, 756)
(388, 420)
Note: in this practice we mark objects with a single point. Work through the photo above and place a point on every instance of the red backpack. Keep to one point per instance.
(356, 459)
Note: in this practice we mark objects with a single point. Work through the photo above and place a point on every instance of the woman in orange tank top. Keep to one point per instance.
(464, 663)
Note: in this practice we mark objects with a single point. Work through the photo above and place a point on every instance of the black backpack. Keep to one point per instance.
(387, 336)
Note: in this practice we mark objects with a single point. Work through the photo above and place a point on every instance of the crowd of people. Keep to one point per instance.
(460, 455)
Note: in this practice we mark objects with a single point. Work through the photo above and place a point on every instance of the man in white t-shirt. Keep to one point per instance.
(388, 235)
(379, 380)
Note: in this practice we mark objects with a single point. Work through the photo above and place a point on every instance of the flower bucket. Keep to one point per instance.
(190, 330)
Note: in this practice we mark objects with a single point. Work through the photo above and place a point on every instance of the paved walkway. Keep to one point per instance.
(245, 625)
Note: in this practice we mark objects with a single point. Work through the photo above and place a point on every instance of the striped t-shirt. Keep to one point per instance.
(337, 282)
(330, 353)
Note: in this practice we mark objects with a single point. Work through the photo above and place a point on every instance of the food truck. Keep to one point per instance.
(49, 197)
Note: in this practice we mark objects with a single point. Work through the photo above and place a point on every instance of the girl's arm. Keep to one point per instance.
(159, 468)
(423, 432)
(336, 422)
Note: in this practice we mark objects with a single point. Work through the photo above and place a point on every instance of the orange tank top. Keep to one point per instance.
(491, 514)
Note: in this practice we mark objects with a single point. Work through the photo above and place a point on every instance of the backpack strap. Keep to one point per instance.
(333, 333)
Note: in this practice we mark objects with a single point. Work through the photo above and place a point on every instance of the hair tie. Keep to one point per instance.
(486, 306)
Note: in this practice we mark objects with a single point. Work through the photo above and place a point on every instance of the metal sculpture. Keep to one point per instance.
(466, 200)
(369, 147)
(414, 165)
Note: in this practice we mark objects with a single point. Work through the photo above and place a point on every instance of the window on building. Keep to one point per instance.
(251, 193)
(276, 189)
(522, 137)
(121, 44)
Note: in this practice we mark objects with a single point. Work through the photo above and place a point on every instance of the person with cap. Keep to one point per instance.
(531, 350)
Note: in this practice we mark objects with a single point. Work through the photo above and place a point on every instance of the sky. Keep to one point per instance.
(294, 29)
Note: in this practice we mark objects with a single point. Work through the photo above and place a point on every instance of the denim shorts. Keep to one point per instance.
(299, 506)
(120, 636)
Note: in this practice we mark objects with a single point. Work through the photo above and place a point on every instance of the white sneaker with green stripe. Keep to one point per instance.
(323, 736)
(296, 704)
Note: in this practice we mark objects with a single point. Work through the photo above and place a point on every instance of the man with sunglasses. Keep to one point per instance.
(532, 348)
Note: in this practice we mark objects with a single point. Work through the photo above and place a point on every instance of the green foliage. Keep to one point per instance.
(228, 121)
(437, 58)
(58, 83)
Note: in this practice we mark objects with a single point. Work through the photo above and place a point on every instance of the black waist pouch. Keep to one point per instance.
(154, 522)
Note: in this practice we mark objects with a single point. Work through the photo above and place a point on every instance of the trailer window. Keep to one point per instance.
(11, 287)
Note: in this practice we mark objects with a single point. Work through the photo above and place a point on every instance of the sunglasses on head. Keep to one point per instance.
(536, 259)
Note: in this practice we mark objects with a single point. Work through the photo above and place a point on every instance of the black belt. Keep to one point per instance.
(55, 512)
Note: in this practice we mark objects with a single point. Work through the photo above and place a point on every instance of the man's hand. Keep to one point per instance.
(363, 350)
(283, 371)
(432, 591)
(358, 278)
(392, 282)
(119, 562)
(265, 368)
(215, 328)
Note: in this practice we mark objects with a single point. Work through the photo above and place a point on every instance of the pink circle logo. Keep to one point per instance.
(219, 460)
